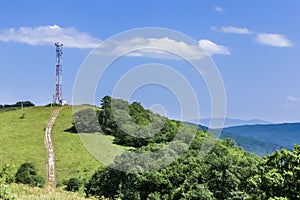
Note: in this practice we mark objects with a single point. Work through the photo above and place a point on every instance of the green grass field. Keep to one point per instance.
(72, 159)
(22, 139)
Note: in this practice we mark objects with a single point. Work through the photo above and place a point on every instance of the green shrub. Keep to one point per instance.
(7, 173)
(73, 184)
(85, 121)
(6, 176)
(27, 174)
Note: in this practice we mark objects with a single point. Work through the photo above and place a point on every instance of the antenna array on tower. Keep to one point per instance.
(58, 86)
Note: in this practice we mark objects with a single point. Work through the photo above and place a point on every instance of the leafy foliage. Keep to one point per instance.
(27, 174)
(222, 174)
(118, 118)
(278, 176)
(73, 184)
(6, 173)
(85, 121)
(226, 172)
(6, 176)
(19, 104)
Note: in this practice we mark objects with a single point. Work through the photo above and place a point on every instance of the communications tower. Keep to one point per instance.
(58, 85)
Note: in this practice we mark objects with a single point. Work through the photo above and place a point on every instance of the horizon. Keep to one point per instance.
(253, 44)
(263, 122)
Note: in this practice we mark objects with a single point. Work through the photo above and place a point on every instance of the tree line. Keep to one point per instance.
(18, 104)
(225, 172)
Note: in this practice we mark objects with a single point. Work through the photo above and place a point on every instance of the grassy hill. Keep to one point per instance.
(22, 140)
(223, 173)
(71, 157)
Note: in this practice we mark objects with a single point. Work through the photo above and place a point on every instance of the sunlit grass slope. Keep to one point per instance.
(22, 139)
(72, 158)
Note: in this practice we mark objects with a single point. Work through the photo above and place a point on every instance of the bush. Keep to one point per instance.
(73, 184)
(27, 174)
(85, 121)
(6, 176)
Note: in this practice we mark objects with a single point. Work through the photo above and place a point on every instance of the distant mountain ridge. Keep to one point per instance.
(249, 144)
(262, 139)
(233, 122)
(285, 134)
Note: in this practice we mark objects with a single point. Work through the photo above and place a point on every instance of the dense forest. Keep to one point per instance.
(180, 161)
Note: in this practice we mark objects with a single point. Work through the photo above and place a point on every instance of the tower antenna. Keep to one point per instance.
(58, 85)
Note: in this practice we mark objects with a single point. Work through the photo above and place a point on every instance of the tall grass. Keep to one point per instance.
(24, 192)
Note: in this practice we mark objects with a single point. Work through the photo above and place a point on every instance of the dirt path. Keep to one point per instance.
(50, 166)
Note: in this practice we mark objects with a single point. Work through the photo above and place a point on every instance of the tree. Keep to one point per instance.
(25, 104)
(27, 174)
(86, 121)
(105, 102)
(278, 176)
(221, 174)
(19, 104)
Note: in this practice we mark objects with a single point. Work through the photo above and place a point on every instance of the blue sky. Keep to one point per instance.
(255, 45)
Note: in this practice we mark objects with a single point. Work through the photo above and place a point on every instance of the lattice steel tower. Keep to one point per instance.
(58, 88)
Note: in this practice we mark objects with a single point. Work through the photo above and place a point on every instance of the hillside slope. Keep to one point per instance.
(22, 139)
(71, 157)
(170, 159)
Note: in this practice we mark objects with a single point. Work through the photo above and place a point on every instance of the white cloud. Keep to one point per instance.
(290, 98)
(147, 47)
(232, 29)
(213, 48)
(164, 48)
(218, 9)
(276, 40)
(48, 35)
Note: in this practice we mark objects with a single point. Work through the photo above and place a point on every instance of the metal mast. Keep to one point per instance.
(58, 88)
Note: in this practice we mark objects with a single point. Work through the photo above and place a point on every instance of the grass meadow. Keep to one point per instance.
(22, 139)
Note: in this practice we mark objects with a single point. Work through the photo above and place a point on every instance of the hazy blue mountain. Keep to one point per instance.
(285, 135)
(253, 145)
(233, 122)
